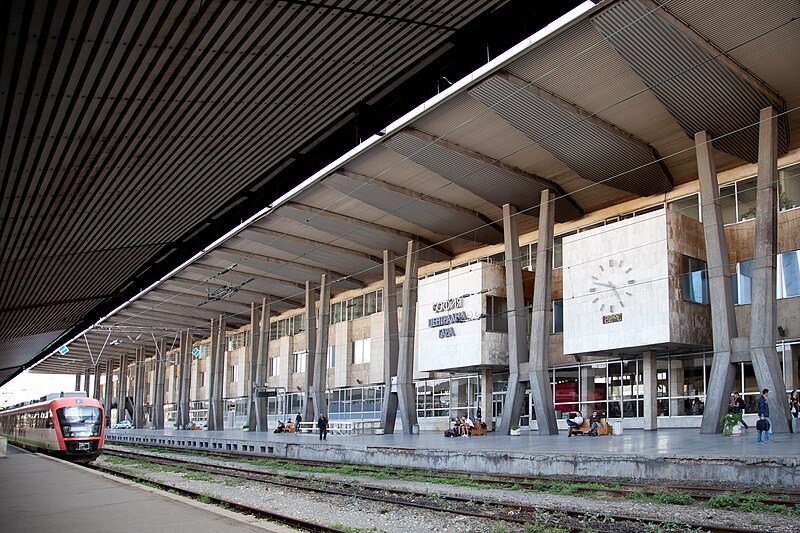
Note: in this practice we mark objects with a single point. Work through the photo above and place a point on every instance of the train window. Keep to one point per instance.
(80, 414)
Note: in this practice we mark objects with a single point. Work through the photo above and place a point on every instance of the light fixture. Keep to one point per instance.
(358, 381)
(115, 342)
(781, 332)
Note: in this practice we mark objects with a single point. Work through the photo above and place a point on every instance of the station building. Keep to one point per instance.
(625, 267)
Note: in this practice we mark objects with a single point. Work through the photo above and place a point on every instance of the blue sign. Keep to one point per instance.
(63, 350)
(196, 352)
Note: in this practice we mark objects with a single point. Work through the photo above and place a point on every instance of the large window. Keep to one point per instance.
(433, 397)
(558, 316)
(694, 280)
(299, 359)
(742, 283)
(273, 366)
(331, 356)
(496, 314)
(789, 274)
(688, 206)
(361, 351)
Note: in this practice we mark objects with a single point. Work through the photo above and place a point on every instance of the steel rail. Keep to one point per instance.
(500, 511)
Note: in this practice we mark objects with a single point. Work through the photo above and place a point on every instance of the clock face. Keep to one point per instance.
(611, 285)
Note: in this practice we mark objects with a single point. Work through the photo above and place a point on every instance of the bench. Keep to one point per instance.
(477, 430)
(586, 428)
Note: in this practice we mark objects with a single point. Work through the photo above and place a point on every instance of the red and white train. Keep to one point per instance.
(68, 424)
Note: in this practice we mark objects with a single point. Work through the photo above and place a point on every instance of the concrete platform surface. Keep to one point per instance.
(42, 494)
(678, 454)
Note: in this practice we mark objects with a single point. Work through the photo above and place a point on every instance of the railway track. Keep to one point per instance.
(490, 510)
(572, 486)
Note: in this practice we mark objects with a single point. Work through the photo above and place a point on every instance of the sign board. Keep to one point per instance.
(196, 351)
(63, 350)
(266, 394)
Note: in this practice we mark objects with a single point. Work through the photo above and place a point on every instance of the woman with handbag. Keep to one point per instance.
(763, 425)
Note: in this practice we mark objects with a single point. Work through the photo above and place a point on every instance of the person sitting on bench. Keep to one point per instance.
(595, 422)
(574, 421)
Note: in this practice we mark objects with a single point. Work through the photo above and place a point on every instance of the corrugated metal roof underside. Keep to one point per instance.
(592, 151)
(700, 91)
(126, 123)
(377, 238)
(418, 210)
(494, 183)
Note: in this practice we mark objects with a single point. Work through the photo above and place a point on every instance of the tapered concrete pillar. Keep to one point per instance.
(723, 319)
(218, 373)
(215, 375)
(87, 376)
(96, 384)
(763, 309)
(487, 393)
(321, 349)
(138, 395)
(159, 376)
(78, 378)
(109, 391)
(650, 375)
(517, 318)
(252, 381)
(390, 342)
(311, 341)
(541, 392)
(186, 377)
(182, 418)
(260, 404)
(122, 387)
(406, 393)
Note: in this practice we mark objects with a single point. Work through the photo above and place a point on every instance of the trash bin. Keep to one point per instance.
(415, 429)
(616, 427)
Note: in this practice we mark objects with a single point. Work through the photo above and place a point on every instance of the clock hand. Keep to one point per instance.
(603, 284)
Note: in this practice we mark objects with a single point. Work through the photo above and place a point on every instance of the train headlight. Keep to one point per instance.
(66, 430)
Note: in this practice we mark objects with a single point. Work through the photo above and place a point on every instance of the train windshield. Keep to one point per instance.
(80, 421)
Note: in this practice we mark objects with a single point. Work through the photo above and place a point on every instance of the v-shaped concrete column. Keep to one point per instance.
(251, 371)
(109, 391)
(406, 393)
(159, 374)
(184, 380)
(390, 342)
(311, 349)
(763, 307)
(263, 352)
(321, 349)
(122, 387)
(541, 391)
(517, 327)
(96, 384)
(259, 343)
(138, 395)
(723, 319)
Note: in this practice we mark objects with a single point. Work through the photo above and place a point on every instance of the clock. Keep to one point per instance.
(610, 286)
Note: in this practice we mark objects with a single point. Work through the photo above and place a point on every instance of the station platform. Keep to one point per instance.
(40, 494)
(674, 454)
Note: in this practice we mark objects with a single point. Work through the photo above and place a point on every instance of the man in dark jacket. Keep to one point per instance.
(763, 413)
(322, 424)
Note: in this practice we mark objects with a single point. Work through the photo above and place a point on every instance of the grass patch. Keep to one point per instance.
(661, 496)
(198, 476)
(749, 504)
(354, 529)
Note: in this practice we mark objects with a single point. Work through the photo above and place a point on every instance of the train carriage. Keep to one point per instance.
(68, 425)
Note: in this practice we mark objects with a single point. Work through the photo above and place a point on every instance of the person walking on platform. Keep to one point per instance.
(297, 420)
(763, 415)
(738, 407)
(794, 404)
(322, 424)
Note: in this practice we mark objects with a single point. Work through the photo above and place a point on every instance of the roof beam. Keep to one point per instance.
(316, 271)
(483, 220)
(440, 253)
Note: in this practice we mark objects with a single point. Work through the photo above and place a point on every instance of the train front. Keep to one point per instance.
(80, 428)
